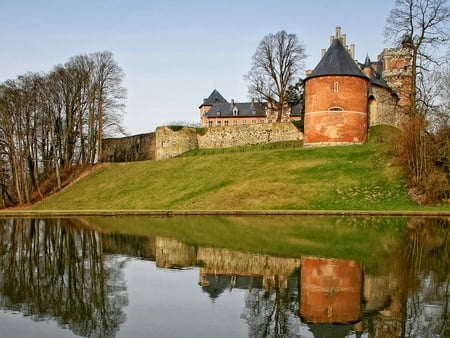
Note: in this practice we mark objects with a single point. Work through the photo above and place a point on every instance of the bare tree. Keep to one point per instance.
(275, 67)
(109, 94)
(51, 122)
(422, 27)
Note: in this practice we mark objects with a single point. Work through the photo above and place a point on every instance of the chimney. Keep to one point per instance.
(331, 39)
(352, 51)
(344, 40)
(232, 102)
(338, 32)
(323, 51)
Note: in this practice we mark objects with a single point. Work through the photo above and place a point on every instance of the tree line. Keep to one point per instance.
(52, 123)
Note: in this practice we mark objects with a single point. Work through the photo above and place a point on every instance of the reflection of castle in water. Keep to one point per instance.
(44, 262)
(329, 291)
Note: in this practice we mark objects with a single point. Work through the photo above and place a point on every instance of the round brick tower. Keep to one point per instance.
(336, 100)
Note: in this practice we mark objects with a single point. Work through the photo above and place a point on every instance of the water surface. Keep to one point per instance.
(224, 277)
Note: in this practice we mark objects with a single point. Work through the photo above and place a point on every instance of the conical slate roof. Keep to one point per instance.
(337, 61)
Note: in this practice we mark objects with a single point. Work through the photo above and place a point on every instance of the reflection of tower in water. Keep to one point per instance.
(330, 290)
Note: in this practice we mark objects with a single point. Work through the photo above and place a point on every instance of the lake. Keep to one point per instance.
(205, 276)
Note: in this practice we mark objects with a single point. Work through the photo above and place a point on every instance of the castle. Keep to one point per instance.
(217, 111)
(343, 98)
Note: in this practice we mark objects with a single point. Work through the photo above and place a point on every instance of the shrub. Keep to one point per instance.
(175, 128)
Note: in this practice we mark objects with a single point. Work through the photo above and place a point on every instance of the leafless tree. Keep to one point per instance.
(275, 67)
(51, 122)
(422, 27)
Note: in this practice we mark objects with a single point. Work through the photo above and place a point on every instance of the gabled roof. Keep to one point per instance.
(337, 61)
(214, 97)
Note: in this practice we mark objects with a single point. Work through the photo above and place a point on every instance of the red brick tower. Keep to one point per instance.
(336, 99)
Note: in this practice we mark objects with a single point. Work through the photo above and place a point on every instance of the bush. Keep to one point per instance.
(424, 163)
(175, 128)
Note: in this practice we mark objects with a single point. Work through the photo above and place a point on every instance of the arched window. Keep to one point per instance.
(235, 111)
(335, 109)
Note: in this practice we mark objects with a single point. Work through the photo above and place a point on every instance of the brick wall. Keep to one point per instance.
(336, 110)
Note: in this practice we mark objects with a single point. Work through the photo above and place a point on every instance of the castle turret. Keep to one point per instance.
(336, 99)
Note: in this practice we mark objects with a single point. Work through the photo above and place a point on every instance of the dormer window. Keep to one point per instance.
(218, 113)
(235, 111)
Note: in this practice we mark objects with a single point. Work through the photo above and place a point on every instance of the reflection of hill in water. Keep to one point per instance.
(70, 271)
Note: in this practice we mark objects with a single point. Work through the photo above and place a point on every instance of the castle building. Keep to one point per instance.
(343, 98)
(216, 111)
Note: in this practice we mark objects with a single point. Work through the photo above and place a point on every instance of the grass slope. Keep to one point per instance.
(282, 176)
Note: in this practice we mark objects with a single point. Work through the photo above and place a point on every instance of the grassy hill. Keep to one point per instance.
(272, 176)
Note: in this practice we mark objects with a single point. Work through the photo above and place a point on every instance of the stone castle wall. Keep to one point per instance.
(171, 143)
(222, 137)
(167, 142)
(140, 147)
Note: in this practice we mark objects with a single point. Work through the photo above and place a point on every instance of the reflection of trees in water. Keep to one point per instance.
(273, 312)
(52, 269)
(425, 268)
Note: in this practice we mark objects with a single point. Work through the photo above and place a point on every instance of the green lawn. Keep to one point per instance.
(281, 176)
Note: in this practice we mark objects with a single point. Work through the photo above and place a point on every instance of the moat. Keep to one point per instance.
(271, 276)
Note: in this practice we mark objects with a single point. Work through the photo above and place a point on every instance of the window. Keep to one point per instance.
(210, 123)
(226, 123)
(244, 122)
(235, 111)
(336, 87)
(218, 123)
(335, 109)
(234, 122)
(254, 121)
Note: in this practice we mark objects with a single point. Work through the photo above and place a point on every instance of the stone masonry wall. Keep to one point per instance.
(129, 149)
(167, 142)
(170, 143)
(221, 137)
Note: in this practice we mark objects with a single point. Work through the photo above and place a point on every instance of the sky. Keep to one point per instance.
(174, 53)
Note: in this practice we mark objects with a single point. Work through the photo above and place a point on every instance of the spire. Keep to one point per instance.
(367, 62)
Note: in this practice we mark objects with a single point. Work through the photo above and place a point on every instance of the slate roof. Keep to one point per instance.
(214, 97)
(244, 109)
(375, 77)
(336, 61)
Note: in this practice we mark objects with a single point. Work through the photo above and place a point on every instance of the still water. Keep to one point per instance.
(225, 277)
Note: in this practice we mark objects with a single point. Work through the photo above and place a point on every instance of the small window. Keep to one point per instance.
(335, 109)
(244, 122)
(235, 122)
(218, 123)
(226, 123)
(210, 123)
(254, 121)
(218, 113)
(336, 87)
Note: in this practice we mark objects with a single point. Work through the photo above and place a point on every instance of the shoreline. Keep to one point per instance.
(171, 213)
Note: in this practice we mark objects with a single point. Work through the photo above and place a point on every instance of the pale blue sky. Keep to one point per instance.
(174, 52)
